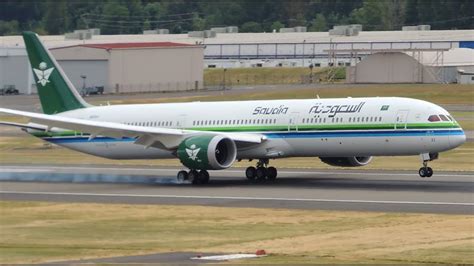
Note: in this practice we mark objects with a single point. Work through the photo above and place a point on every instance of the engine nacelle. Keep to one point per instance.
(347, 161)
(207, 152)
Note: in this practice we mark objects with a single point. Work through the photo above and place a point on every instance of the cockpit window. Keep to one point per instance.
(450, 118)
(434, 118)
(444, 118)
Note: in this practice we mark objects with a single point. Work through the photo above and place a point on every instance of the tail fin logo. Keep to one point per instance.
(42, 73)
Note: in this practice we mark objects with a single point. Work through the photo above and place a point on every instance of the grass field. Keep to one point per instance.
(269, 75)
(34, 232)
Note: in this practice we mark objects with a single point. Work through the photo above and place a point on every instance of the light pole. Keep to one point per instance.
(302, 58)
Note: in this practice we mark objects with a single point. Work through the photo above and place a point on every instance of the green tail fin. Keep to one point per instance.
(56, 92)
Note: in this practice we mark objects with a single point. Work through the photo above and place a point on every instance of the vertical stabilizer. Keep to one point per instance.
(56, 92)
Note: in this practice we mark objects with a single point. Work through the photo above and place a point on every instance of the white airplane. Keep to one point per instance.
(213, 135)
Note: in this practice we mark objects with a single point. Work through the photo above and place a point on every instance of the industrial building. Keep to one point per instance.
(158, 68)
(133, 67)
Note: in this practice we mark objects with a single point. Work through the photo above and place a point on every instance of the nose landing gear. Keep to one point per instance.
(426, 171)
(262, 171)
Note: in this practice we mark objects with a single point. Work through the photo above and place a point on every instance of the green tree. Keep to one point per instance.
(369, 15)
(115, 18)
(277, 25)
(299, 20)
(146, 25)
(153, 12)
(251, 26)
(393, 14)
(411, 12)
(319, 23)
(198, 22)
(9, 27)
(55, 19)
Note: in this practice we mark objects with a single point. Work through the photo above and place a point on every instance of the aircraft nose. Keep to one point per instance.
(457, 139)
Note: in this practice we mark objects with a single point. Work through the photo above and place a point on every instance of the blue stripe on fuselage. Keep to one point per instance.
(394, 133)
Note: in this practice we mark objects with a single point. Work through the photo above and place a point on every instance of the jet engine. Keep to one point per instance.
(207, 152)
(347, 161)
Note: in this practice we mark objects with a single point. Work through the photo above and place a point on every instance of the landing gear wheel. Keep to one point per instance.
(203, 177)
(182, 176)
(251, 173)
(426, 171)
(193, 176)
(271, 173)
(422, 172)
(261, 173)
(429, 172)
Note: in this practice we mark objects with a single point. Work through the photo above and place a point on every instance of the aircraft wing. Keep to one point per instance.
(23, 126)
(167, 138)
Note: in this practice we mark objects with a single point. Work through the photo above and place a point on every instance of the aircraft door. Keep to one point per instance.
(293, 122)
(181, 122)
(401, 119)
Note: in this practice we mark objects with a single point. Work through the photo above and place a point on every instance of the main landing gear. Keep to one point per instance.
(426, 171)
(261, 172)
(196, 178)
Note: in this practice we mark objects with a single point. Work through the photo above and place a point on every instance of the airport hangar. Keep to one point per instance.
(118, 67)
(228, 50)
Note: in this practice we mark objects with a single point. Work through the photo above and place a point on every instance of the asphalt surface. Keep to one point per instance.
(185, 258)
(357, 190)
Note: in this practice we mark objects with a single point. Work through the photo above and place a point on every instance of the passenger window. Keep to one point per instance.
(433, 118)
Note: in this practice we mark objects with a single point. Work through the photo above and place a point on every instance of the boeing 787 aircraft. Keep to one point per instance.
(213, 135)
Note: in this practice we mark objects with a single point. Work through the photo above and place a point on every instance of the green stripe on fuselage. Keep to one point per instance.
(276, 128)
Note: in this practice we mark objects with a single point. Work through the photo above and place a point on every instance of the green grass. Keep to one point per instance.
(35, 232)
(270, 75)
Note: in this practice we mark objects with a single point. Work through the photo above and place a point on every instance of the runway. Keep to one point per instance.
(357, 190)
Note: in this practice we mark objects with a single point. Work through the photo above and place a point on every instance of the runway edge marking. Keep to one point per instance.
(236, 198)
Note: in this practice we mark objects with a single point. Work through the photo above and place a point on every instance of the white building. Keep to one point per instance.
(227, 50)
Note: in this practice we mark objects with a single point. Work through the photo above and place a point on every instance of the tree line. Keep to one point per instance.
(180, 16)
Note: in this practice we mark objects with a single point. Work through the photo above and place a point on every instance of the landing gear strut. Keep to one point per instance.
(426, 171)
(261, 172)
(196, 178)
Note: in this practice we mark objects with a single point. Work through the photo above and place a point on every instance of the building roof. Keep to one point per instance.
(233, 38)
(453, 57)
(131, 45)
(127, 45)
